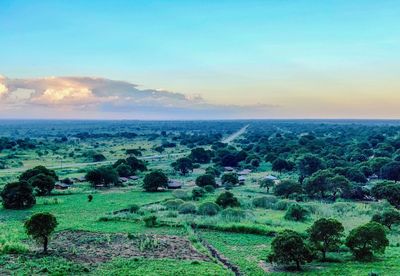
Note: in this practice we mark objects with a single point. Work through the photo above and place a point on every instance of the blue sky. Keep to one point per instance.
(285, 59)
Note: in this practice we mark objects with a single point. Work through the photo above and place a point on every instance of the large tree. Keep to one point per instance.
(155, 180)
(325, 234)
(389, 191)
(104, 175)
(183, 165)
(18, 195)
(25, 176)
(200, 155)
(42, 183)
(40, 226)
(309, 164)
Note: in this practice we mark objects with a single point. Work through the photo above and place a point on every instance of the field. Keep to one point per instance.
(105, 236)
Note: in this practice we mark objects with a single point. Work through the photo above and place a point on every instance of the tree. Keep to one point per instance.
(387, 218)
(391, 171)
(155, 180)
(267, 183)
(183, 165)
(296, 212)
(40, 226)
(200, 155)
(325, 235)
(205, 180)
(227, 199)
(389, 191)
(230, 178)
(18, 195)
(124, 170)
(42, 183)
(367, 239)
(280, 165)
(287, 187)
(197, 193)
(104, 175)
(136, 164)
(35, 171)
(287, 247)
(318, 183)
(308, 165)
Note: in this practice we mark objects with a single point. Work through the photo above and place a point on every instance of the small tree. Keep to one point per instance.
(42, 183)
(227, 199)
(198, 193)
(325, 235)
(267, 183)
(205, 180)
(296, 212)
(155, 180)
(183, 165)
(230, 178)
(289, 247)
(367, 239)
(40, 226)
(18, 195)
(387, 218)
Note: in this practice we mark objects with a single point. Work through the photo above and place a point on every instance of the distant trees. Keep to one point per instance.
(227, 199)
(388, 218)
(155, 180)
(40, 226)
(308, 165)
(389, 191)
(183, 165)
(18, 195)
(289, 247)
(325, 235)
(230, 178)
(280, 165)
(105, 175)
(200, 155)
(366, 240)
(35, 171)
(288, 187)
(391, 171)
(134, 164)
(205, 180)
(325, 182)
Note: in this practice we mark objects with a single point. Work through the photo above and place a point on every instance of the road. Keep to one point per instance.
(235, 135)
(226, 140)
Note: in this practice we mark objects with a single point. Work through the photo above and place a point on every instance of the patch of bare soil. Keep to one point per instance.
(91, 247)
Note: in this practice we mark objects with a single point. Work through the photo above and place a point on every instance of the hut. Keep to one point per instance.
(242, 179)
(61, 186)
(134, 177)
(123, 179)
(271, 177)
(174, 184)
(229, 169)
(244, 172)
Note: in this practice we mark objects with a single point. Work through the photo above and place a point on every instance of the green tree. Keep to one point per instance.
(367, 239)
(35, 171)
(227, 199)
(104, 175)
(287, 187)
(309, 164)
(18, 195)
(200, 155)
(325, 235)
(230, 178)
(155, 180)
(387, 218)
(289, 247)
(267, 183)
(205, 180)
(389, 191)
(183, 165)
(296, 212)
(391, 171)
(281, 165)
(40, 226)
(124, 170)
(42, 183)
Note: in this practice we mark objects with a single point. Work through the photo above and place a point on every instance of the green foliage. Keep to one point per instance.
(309, 164)
(208, 209)
(173, 204)
(183, 165)
(198, 193)
(187, 208)
(325, 182)
(209, 189)
(288, 247)
(267, 183)
(155, 180)
(287, 187)
(389, 191)
(134, 208)
(230, 178)
(180, 194)
(40, 226)
(200, 155)
(296, 212)
(227, 199)
(391, 171)
(367, 239)
(124, 170)
(233, 214)
(213, 171)
(267, 202)
(325, 235)
(206, 180)
(150, 221)
(280, 165)
(37, 170)
(388, 218)
(42, 183)
(18, 195)
(105, 175)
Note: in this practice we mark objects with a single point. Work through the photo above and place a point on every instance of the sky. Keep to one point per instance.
(199, 59)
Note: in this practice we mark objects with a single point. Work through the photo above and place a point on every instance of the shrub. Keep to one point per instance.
(208, 209)
(90, 198)
(267, 202)
(209, 188)
(231, 214)
(150, 221)
(227, 199)
(134, 208)
(296, 212)
(187, 208)
(387, 218)
(197, 193)
(173, 204)
(367, 239)
(206, 180)
(18, 195)
(290, 247)
(180, 194)
(230, 178)
(40, 226)
(155, 180)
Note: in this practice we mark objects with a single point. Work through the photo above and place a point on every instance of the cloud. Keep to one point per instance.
(78, 96)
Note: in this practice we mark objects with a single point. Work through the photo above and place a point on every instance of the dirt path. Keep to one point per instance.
(235, 135)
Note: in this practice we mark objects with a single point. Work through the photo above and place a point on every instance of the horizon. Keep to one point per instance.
(156, 60)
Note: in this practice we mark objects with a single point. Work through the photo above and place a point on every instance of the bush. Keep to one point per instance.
(206, 180)
(208, 209)
(227, 199)
(187, 208)
(150, 221)
(366, 239)
(209, 188)
(197, 193)
(134, 208)
(296, 212)
(287, 187)
(267, 202)
(230, 178)
(18, 195)
(173, 204)
(90, 198)
(155, 180)
(180, 194)
(387, 218)
(234, 215)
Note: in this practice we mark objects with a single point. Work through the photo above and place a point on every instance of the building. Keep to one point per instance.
(242, 179)
(61, 186)
(174, 184)
(244, 172)
(271, 177)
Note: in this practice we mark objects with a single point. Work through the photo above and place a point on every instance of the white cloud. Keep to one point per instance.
(103, 96)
